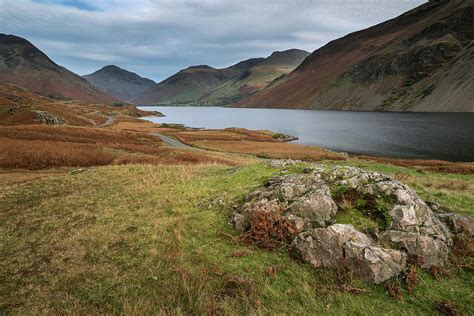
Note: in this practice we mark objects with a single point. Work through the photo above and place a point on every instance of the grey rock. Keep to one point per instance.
(316, 207)
(410, 216)
(373, 263)
(427, 251)
(49, 118)
(415, 232)
(282, 163)
(304, 199)
(342, 245)
(458, 224)
(298, 223)
(239, 221)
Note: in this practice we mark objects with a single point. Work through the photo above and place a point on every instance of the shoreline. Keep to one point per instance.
(293, 138)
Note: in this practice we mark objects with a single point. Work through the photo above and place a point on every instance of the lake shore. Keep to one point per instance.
(439, 136)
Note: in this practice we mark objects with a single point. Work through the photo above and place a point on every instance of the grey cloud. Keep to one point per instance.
(158, 37)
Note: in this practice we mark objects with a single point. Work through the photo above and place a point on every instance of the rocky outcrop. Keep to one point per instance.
(343, 245)
(407, 227)
(303, 199)
(49, 118)
(413, 226)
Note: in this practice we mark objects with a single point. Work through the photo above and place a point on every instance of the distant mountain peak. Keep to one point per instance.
(205, 85)
(13, 39)
(120, 83)
(111, 67)
(289, 57)
(290, 51)
(23, 64)
(200, 67)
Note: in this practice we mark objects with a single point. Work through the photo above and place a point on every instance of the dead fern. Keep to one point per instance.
(394, 290)
(268, 230)
(448, 309)
(411, 279)
(462, 253)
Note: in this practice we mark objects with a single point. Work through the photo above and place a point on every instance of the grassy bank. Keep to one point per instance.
(143, 239)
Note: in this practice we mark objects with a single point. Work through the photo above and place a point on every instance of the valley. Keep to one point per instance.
(332, 182)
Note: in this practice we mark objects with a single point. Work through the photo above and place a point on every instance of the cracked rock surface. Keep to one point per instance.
(308, 202)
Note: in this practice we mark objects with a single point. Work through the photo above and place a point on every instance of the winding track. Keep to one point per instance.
(110, 121)
(171, 141)
(168, 140)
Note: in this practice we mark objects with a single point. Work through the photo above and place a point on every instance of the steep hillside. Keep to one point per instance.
(255, 78)
(184, 87)
(204, 85)
(422, 60)
(19, 106)
(21, 63)
(119, 83)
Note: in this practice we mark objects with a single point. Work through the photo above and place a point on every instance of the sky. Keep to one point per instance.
(157, 38)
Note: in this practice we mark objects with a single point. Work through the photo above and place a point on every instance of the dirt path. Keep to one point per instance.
(110, 121)
(171, 141)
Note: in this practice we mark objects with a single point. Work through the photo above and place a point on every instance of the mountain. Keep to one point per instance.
(119, 83)
(422, 60)
(255, 78)
(21, 63)
(205, 85)
(186, 86)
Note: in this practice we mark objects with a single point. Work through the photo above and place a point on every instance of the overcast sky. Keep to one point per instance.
(156, 38)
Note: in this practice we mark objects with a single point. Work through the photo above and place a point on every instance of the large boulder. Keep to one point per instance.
(413, 227)
(405, 225)
(342, 245)
(49, 118)
(303, 199)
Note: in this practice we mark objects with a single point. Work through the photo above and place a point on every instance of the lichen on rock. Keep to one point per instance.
(310, 204)
(343, 245)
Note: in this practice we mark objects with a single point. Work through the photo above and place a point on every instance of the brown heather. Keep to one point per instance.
(429, 165)
(15, 153)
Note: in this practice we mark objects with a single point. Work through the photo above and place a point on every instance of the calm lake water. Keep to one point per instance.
(447, 136)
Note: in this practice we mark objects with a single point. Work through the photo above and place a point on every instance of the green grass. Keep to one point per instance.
(155, 239)
(455, 191)
(357, 219)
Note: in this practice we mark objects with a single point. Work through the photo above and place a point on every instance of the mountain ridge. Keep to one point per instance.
(205, 85)
(397, 65)
(23, 64)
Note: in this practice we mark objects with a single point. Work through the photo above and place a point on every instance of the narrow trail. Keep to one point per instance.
(173, 142)
(110, 121)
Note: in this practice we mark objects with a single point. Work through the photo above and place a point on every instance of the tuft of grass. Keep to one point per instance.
(365, 212)
(349, 215)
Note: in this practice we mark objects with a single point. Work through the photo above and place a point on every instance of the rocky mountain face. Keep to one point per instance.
(119, 83)
(422, 60)
(205, 85)
(21, 63)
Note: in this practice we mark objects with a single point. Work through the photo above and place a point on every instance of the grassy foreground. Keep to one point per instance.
(143, 239)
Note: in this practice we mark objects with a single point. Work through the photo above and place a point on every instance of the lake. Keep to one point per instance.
(446, 136)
